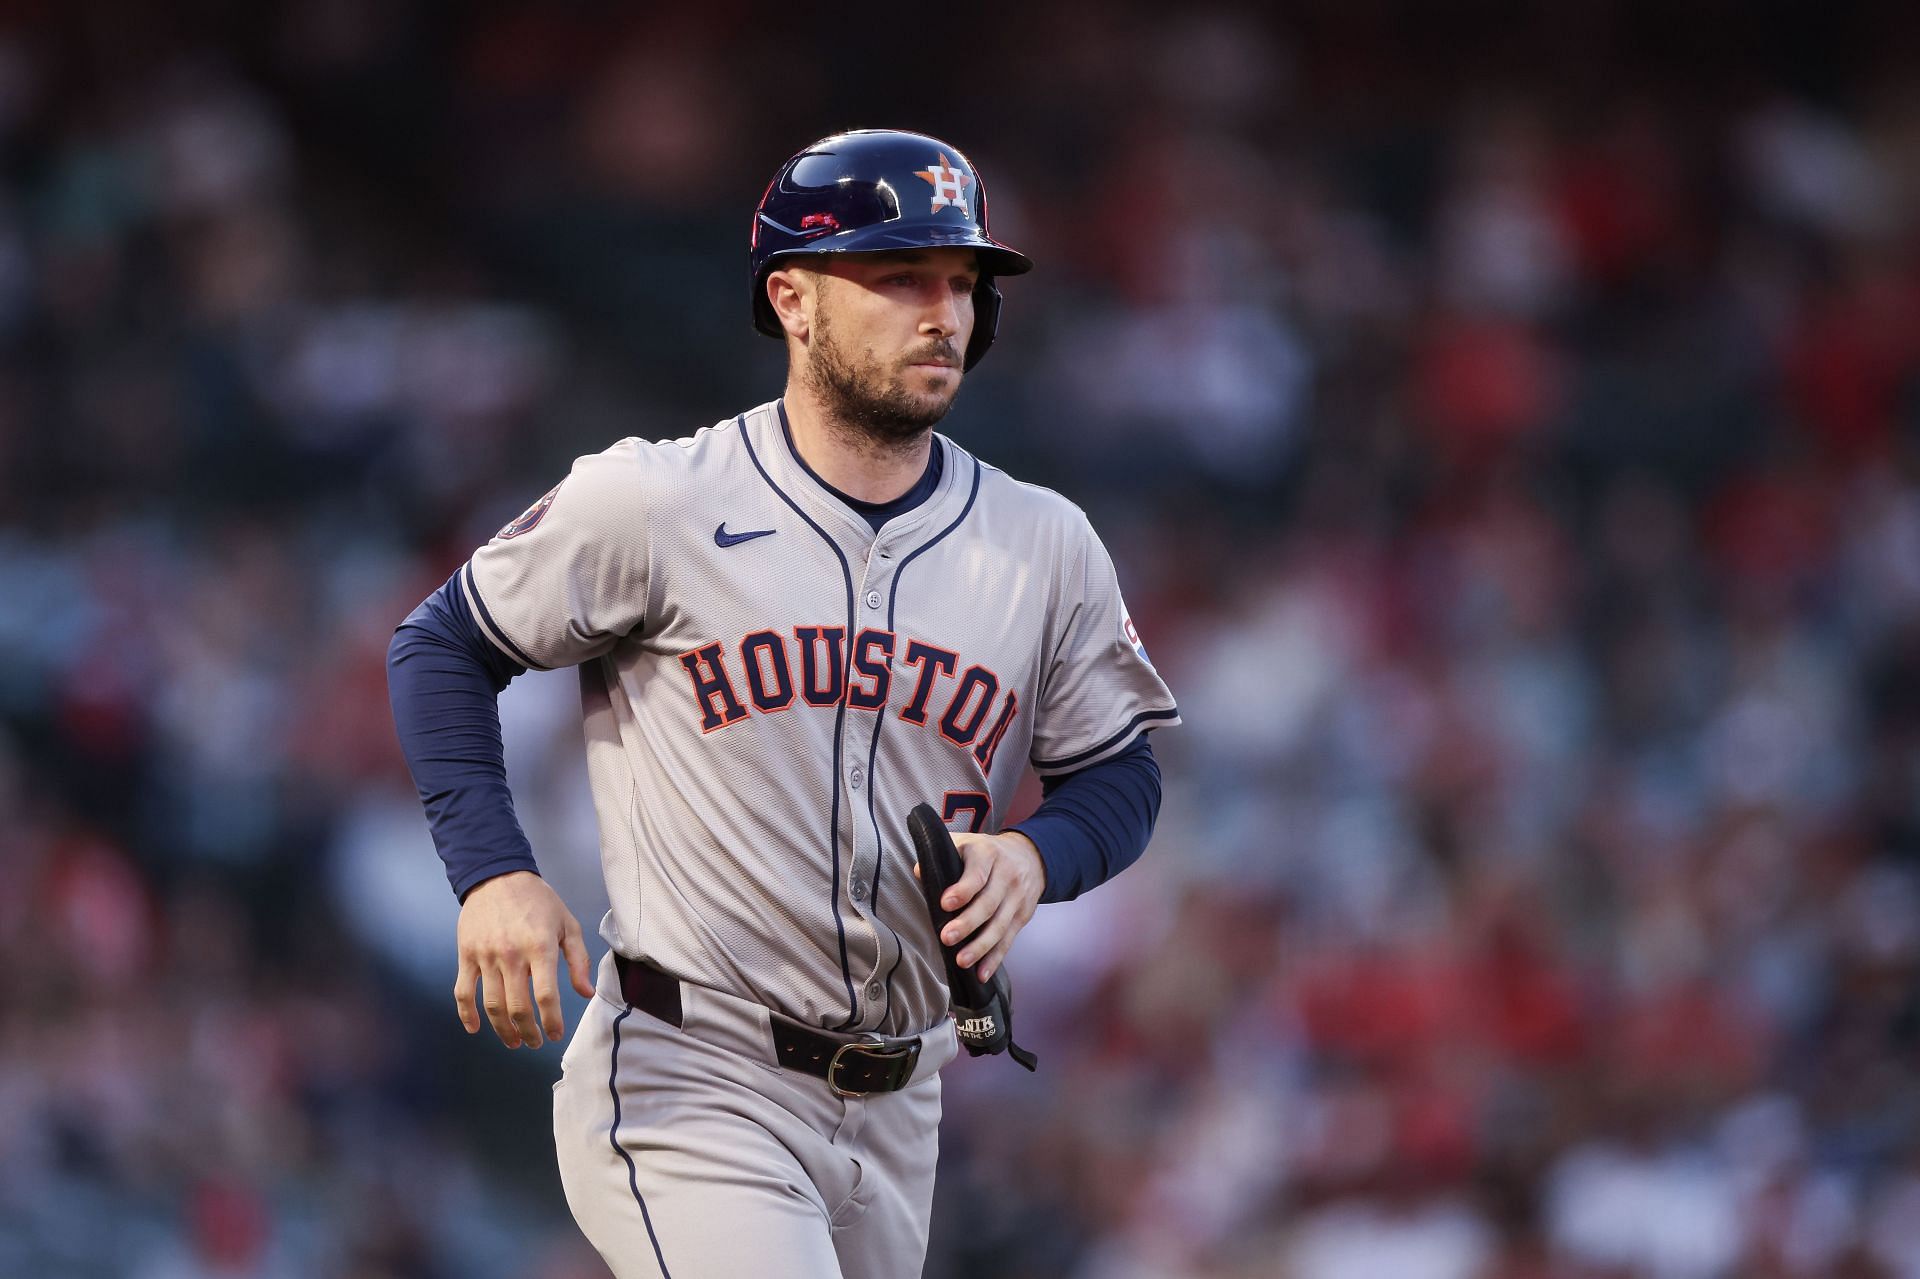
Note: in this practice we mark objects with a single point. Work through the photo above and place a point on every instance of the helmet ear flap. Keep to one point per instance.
(986, 321)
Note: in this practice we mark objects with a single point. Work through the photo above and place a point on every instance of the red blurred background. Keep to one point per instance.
(1506, 421)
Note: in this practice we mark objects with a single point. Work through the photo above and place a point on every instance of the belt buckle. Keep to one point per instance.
(878, 1052)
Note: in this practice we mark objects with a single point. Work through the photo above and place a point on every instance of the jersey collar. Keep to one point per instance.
(771, 438)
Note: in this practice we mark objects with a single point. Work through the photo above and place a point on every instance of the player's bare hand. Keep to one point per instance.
(995, 895)
(509, 930)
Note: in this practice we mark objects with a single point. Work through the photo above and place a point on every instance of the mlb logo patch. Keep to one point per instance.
(531, 516)
(1132, 633)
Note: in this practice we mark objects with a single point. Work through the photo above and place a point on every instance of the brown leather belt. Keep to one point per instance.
(851, 1067)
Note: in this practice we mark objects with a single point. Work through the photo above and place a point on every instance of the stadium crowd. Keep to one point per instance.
(1511, 450)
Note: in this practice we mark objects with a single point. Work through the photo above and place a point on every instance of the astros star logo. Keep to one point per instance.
(949, 185)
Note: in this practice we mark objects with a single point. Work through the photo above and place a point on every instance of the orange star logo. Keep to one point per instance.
(949, 185)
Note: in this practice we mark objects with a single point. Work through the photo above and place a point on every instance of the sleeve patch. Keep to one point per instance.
(1132, 633)
(531, 516)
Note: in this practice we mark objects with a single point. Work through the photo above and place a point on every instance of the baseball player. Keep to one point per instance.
(791, 627)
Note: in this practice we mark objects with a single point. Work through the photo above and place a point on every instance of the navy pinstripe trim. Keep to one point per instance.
(928, 545)
(493, 627)
(839, 718)
(613, 1137)
(1132, 725)
(893, 601)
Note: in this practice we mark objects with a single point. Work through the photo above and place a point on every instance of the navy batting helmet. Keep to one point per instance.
(876, 191)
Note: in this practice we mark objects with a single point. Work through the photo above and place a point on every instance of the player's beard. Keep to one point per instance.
(865, 400)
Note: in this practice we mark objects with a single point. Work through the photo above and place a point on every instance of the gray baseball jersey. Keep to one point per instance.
(769, 687)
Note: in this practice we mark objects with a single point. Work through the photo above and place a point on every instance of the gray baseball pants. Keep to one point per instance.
(686, 1153)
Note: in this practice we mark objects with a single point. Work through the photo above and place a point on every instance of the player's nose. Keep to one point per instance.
(939, 319)
(943, 316)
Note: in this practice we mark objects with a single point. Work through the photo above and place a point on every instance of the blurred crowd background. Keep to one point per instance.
(1506, 419)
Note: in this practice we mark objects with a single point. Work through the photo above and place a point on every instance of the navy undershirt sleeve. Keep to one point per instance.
(1095, 823)
(444, 680)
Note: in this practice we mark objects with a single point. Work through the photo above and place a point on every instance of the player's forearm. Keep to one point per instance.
(1095, 823)
(443, 679)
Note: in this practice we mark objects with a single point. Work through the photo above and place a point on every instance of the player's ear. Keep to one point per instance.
(791, 292)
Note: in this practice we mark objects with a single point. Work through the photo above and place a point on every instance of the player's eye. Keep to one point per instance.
(964, 286)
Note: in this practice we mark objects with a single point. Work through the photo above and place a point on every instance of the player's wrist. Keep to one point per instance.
(1019, 839)
(496, 877)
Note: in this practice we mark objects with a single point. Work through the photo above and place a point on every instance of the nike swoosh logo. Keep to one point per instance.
(723, 538)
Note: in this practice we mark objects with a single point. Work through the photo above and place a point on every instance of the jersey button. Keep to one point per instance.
(856, 777)
(873, 599)
(874, 992)
(859, 887)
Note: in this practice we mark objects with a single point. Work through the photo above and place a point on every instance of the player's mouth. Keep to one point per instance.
(939, 373)
(938, 357)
